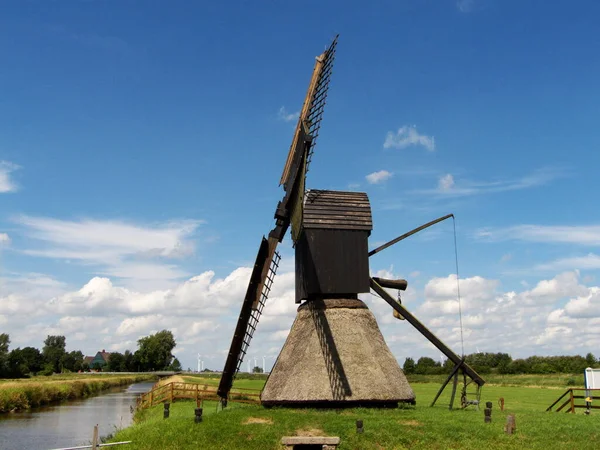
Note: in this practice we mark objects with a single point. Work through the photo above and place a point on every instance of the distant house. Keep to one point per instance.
(98, 361)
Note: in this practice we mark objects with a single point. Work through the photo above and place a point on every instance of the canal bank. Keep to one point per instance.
(70, 423)
(17, 395)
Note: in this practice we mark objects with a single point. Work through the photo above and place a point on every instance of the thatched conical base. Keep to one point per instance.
(335, 356)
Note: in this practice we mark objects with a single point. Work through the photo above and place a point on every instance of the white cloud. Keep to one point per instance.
(441, 294)
(115, 248)
(407, 136)
(465, 6)
(4, 239)
(446, 182)
(448, 186)
(378, 177)
(286, 116)
(6, 183)
(202, 313)
(568, 234)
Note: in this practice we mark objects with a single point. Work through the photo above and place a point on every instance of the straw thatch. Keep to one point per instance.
(336, 356)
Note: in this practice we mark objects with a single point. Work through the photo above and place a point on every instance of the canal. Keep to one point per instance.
(70, 424)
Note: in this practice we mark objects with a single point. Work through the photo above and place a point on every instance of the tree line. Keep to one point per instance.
(155, 352)
(502, 363)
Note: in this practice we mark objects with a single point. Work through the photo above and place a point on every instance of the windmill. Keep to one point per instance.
(335, 354)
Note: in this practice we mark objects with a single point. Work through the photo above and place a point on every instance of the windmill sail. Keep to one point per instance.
(313, 107)
(250, 314)
(267, 259)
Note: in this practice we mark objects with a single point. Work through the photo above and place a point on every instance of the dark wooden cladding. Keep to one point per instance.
(337, 209)
(332, 252)
(331, 262)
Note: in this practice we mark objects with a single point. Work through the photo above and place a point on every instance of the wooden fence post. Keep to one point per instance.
(95, 438)
(572, 402)
(511, 425)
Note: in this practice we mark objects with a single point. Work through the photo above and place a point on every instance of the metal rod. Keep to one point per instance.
(89, 446)
(427, 333)
(410, 233)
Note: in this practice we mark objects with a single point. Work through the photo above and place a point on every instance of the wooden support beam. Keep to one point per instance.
(468, 370)
(454, 385)
(454, 371)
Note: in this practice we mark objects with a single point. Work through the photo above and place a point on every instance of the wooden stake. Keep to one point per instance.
(95, 438)
(511, 425)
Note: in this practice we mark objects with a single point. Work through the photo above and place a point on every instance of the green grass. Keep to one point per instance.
(550, 381)
(27, 393)
(419, 427)
(214, 381)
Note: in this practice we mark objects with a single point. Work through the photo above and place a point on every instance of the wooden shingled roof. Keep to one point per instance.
(337, 210)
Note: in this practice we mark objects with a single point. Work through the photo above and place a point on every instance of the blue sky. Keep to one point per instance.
(142, 143)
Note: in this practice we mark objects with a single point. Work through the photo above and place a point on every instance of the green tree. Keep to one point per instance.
(53, 351)
(116, 362)
(175, 365)
(72, 361)
(156, 351)
(23, 362)
(428, 366)
(409, 366)
(591, 360)
(4, 342)
(129, 362)
(257, 369)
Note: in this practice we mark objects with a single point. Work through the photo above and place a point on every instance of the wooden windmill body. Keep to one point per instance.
(335, 354)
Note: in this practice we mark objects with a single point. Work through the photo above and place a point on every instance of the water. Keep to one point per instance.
(69, 424)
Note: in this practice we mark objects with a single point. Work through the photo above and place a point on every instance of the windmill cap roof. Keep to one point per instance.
(337, 210)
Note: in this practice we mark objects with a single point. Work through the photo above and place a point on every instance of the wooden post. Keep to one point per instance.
(359, 426)
(572, 402)
(511, 425)
(487, 412)
(95, 438)
(151, 397)
(454, 384)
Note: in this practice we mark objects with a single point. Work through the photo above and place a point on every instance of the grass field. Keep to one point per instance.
(420, 427)
(30, 392)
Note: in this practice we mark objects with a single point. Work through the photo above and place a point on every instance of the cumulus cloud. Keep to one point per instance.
(446, 182)
(202, 313)
(378, 177)
(407, 136)
(4, 239)
(286, 116)
(6, 182)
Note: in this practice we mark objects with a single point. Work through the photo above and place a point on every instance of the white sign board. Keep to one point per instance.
(592, 378)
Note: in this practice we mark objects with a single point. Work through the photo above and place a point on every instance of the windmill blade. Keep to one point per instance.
(311, 114)
(288, 209)
(259, 287)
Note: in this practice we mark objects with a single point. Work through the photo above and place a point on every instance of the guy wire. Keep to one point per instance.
(462, 342)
